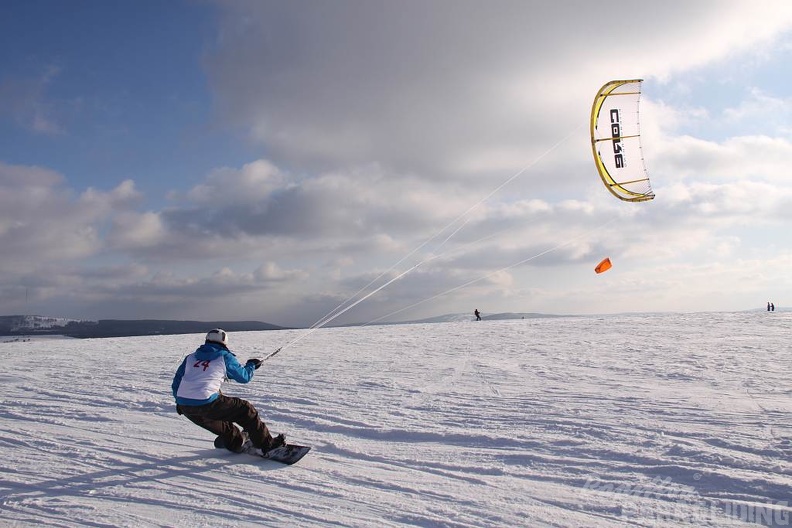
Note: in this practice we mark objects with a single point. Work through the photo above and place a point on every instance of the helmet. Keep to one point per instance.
(217, 336)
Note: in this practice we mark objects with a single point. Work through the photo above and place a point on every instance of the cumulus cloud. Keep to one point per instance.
(134, 231)
(48, 231)
(42, 220)
(226, 187)
(259, 206)
(753, 158)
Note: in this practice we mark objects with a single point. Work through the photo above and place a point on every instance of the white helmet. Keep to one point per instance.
(217, 336)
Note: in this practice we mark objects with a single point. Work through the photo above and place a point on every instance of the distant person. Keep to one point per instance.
(768, 306)
(477, 314)
(772, 307)
(196, 387)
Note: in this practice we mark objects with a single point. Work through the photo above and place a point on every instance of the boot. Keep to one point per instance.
(245, 445)
(278, 441)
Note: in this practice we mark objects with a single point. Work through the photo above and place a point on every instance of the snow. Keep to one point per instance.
(628, 420)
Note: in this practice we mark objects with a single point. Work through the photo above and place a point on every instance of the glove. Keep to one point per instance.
(255, 362)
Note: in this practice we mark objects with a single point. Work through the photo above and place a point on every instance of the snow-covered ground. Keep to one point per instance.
(630, 420)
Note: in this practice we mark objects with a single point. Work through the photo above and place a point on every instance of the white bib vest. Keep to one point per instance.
(202, 378)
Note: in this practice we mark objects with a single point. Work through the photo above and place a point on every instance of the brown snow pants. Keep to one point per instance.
(220, 416)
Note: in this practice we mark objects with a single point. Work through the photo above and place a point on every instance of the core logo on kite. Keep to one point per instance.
(618, 157)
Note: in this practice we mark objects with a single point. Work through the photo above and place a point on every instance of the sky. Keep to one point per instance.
(287, 161)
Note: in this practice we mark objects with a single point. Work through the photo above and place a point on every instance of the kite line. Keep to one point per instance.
(350, 303)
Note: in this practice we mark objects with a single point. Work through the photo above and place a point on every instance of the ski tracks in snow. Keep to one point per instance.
(545, 422)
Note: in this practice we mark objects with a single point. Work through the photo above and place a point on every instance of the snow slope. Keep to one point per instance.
(630, 420)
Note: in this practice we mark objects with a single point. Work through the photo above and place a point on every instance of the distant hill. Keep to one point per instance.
(20, 325)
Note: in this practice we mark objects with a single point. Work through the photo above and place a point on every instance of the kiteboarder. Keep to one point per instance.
(477, 314)
(196, 387)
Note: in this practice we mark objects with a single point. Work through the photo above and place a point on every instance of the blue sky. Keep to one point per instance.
(107, 91)
(269, 160)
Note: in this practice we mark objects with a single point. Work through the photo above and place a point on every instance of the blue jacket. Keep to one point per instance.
(198, 379)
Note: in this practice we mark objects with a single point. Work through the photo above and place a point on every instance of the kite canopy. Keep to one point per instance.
(616, 141)
(605, 265)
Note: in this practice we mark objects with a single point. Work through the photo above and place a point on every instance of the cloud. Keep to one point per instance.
(41, 220)
(449, 136)
(135, 231)
(254, 182)
(450, 88)
(236, 211)
(751, 158)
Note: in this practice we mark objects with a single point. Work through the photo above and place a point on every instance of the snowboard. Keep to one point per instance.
(287, 454)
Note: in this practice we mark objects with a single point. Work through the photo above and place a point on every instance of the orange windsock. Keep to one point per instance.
(605, 265)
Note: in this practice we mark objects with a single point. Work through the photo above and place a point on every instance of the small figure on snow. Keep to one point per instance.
(196, 387)
(477, 314)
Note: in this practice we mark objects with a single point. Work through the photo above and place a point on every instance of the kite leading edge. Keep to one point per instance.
(615, 141)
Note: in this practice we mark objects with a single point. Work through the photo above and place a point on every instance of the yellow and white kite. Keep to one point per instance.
(616, 141)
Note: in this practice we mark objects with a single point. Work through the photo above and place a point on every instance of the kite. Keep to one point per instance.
(616, 141)
(603, 266)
